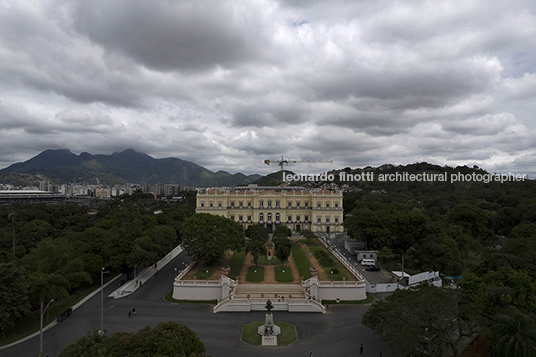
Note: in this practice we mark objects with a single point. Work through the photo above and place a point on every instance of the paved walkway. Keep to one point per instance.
(269, 270)
(322, 275)
(132, 285)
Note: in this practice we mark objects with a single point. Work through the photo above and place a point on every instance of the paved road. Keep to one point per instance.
(336, 333)
(372, 277)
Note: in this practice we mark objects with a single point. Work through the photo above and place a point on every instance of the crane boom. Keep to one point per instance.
(282, 162)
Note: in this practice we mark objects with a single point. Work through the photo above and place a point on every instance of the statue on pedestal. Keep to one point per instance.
(269, 329)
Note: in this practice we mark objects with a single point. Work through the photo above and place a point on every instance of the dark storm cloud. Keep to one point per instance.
(168, 35)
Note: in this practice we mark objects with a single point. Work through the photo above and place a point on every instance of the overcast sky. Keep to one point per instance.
(227, 84)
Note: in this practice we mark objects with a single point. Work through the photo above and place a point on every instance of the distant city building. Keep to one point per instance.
(165, 190)
(27, 196)
(319, 211)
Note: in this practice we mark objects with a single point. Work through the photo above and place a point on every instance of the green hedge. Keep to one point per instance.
(323, 258)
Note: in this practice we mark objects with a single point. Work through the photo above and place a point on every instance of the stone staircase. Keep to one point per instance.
(269, 291)
(253, 297)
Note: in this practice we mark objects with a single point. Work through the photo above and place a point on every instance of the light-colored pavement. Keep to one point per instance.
(132, 285)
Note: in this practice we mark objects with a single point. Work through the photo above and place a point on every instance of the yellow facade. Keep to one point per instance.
(318, 211)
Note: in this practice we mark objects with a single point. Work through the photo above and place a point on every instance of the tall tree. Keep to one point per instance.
(207, 237)
(256, 248)
(419, 321)
(308, 235)
(282, 252)
(257, 232)
(515, 334)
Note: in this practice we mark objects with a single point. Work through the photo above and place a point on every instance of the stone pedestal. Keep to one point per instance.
(269, 340)
(269, 331)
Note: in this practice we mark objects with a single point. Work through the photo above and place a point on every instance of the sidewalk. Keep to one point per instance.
(132, 285)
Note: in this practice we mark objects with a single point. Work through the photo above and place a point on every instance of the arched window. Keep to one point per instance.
(277, 218)
(261, 217)
(269, 218)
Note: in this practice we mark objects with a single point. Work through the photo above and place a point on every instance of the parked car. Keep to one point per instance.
(373, 268)
(66, 313)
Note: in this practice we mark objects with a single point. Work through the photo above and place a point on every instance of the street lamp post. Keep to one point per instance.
(102, 300)
(41, 329)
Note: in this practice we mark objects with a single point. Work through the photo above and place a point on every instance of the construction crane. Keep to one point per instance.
(284, 162)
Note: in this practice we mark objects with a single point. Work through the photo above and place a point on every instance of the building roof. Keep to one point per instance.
(24, 192)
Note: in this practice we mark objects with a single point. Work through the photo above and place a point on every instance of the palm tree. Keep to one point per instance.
(282, 252)
(13, 216)
(515, 334)
(256, 248)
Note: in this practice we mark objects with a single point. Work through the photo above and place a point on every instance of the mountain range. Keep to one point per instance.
(129, 166)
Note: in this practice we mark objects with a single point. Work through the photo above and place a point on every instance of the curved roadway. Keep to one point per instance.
(337, 333)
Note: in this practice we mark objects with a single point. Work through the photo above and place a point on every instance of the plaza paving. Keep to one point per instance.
(336, 333)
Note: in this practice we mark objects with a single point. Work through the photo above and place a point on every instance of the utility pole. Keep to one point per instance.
(402, 266)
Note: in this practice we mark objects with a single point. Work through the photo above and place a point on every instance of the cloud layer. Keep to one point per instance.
(228, 84)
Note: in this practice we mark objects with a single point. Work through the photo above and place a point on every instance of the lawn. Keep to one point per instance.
(301, 260)
(236, 263)
(283, 274)
(251, 336)
(265, 261)
(204, 272)
(334, 264)
(255, 274)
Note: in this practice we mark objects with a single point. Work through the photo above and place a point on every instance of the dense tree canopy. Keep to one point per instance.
(417, 321)
(483, 232)
(13, 295)
(166, 339)
(206, 236)
(60, 249)
(257, 232)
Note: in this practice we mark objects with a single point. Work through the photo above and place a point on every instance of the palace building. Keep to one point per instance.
(318, 211)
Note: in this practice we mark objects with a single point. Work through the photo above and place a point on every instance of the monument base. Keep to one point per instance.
(269, 340)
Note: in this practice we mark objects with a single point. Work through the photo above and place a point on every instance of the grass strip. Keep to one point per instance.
(301, 260)
(236, 263)
(335, 264)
